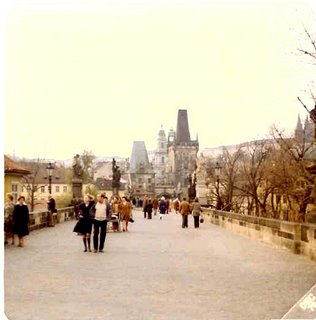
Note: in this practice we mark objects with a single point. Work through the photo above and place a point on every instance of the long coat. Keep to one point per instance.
(155, 203)
(196, 209)
(21, 220)
(126, 210)
(184, 207)
(84, 225)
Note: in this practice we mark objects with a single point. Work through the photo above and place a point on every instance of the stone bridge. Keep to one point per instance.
(155, 271)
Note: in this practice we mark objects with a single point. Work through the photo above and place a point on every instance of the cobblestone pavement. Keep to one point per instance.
(155, 271)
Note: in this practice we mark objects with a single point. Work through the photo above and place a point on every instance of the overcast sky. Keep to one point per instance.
(98, 75)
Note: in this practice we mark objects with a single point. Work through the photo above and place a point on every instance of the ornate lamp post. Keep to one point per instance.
(218, 169)
(50, 170)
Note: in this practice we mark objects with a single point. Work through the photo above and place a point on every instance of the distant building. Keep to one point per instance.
(38, 181)
(161, 159)
(141, 173)
(105, 185)
(182, 154)
(306, 132)
(175, 159)
(13, 177)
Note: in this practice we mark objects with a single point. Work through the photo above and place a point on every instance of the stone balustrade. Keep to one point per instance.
(39, 219)
(300, 238)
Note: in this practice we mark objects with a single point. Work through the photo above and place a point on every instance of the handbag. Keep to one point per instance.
(131, 220)
(202, 220)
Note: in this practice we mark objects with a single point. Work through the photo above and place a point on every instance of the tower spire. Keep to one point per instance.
(183, 133)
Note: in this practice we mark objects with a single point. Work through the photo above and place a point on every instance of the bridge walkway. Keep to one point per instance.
(155, 271)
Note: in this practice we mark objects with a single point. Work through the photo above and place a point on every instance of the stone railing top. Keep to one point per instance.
(260, 220)
(59, 209)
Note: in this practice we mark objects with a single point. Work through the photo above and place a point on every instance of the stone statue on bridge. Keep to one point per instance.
(77, 167)
(116, 177)
(77, 171)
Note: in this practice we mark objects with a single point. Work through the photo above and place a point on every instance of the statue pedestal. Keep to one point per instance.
(115, 191)
(77, 188)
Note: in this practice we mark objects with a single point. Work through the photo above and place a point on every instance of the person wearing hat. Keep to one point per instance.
(21, 220)
(162, 207)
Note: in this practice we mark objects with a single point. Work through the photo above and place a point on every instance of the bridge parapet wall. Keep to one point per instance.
(300, 238)
(39, 219)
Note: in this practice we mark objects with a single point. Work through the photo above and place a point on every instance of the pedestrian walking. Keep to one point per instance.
(185, 211)
(196, 212)
(168, 208)
(84, 224)
(144, 205)
(126, 211)
(115, 212)
(101, 213)
(162, 207)
(149, 209)
(51, 207)
(8, 220)
(176, 205)
(155, 204)
(21, 220)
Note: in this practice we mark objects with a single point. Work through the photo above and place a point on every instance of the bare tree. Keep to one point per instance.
(293, 179)
(31, 181)
(253, 171)
(231, 163)
(87, 158)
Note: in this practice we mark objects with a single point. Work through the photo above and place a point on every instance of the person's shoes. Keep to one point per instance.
(85, 250)
(101, 251)
(89, 250)
(95, 251)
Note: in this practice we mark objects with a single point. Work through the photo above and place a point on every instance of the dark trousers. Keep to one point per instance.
(99, 226)
(149, 215)
(196, 221)
(184, 221)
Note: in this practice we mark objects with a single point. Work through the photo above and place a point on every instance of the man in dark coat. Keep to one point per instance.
(51, 207)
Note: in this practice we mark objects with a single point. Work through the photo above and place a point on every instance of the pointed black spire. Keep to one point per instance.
(183, 133)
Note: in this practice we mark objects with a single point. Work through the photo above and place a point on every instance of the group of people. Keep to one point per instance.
(97, 214)
(152, 205)
(16, 220)
(164, 207)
